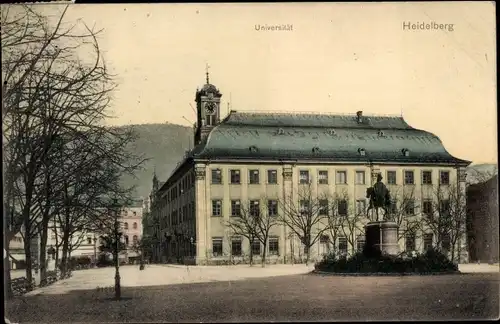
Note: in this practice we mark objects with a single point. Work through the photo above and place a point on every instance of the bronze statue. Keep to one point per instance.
(379, 197)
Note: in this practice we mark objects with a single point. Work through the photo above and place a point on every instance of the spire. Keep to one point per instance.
(206, 72)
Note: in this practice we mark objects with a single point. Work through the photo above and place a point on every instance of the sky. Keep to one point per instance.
(337, 58)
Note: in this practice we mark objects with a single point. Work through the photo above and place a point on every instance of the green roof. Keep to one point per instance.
(278, 136)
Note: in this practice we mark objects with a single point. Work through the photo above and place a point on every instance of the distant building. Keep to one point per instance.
(262, 157)
(131, 221)
(482, 214)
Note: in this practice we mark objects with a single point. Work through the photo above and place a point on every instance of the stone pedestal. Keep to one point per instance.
(381, 237)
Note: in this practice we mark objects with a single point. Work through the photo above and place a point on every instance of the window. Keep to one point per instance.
(126, 239)
(409, 179)
(216, 207)
(341, 177)
(255, 247)
(410, 242)
(444, 178)
(343, 246)
(342, 207)
(303, 176)
(272, 207)
(135, 213)
(217, 246)
(89, 240)
(410, 207)
(125, 225)
(236, 246)
(323, 207)
(427, 207)
(134, 226)
(426, 177)
(428, 241)
(273, 246)
(235, 208)
(254, 176)
(216, 176)
(360, 243)
(323, 177)
(235, 176)
(360, 207)
(444, 207)
(254, 208)
(304, 206)
(360, 177)
(391, 177)
(324, 239)
(135, 239)
(272, 176)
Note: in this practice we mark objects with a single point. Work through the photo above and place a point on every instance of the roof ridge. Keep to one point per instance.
(278, 112)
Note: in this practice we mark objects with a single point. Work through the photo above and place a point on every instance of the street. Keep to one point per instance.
(241, 293)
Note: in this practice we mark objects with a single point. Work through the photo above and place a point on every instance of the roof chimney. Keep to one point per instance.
(359, 115)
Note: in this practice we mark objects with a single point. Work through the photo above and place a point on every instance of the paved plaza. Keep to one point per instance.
(171, 293)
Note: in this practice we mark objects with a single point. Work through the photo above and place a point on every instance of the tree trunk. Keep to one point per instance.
(27, 256)
(43, 253)
(264, 255)
(64, 260)
(306, 252)
(6, 271)
(251, 254)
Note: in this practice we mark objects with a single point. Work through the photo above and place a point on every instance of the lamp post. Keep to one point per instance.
(117, 249)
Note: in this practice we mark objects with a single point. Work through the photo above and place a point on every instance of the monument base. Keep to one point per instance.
(381, 238)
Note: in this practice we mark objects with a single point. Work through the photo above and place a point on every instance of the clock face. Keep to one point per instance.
(210, 107)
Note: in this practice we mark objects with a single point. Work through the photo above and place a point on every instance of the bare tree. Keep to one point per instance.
(304, 214)
(352, 220)
(402, 212)
(49, 93)
(265, 217)
(335, 220)
(243, 223)
(447, 218)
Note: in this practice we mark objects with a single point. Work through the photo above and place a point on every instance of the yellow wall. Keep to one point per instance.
(204, 191)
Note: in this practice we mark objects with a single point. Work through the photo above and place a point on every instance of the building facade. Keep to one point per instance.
(263, 159)
(482, 213)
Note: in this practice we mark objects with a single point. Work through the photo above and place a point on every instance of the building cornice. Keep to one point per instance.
(323, 162)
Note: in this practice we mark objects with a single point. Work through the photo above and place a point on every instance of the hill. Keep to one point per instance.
(481, 172)
(164, 145)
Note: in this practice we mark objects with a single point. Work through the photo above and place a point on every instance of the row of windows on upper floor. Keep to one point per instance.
(340, 177)
(125, 225)
(182, 187)
(324, 206)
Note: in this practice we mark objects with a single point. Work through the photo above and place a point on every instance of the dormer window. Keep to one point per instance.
(281, 131)
(406, 152)
(381, 133)
(315, 149)
(253, 148)
(362, 151)
(332, 132)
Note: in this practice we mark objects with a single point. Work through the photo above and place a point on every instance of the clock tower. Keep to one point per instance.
(208, 110)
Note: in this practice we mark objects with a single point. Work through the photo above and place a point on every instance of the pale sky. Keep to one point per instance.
(340, 57)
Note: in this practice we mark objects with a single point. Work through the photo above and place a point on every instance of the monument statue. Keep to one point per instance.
(379, 198)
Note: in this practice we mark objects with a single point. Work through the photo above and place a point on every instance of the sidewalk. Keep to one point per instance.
(478, 268)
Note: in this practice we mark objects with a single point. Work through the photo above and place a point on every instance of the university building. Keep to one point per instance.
(261, 158)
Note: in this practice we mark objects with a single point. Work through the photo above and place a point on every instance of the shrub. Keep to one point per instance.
(430, 262)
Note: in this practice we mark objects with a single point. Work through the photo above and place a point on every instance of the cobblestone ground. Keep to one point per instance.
(240, 293)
